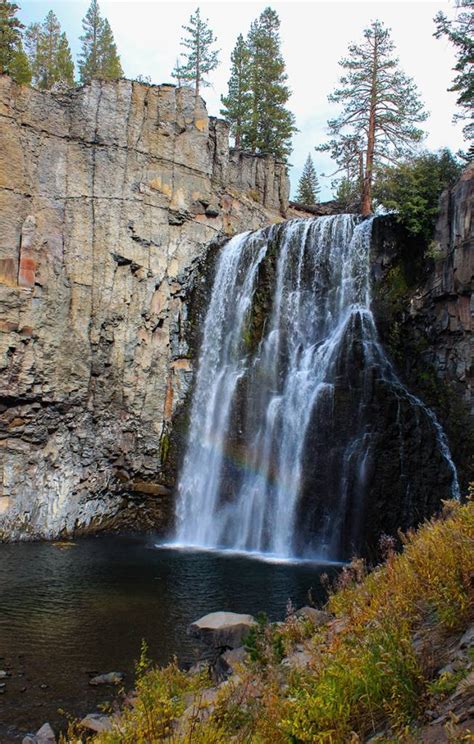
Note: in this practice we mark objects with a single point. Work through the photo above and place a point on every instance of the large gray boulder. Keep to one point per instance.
(45, 735)
(97, 722)
(220, 629)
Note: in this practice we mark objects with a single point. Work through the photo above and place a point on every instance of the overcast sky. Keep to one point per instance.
(314, 35)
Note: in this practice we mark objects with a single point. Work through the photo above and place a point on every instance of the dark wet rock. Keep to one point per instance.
(220, 670)
(212, 211)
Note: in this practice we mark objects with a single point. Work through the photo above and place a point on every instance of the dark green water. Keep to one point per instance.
(69, 613)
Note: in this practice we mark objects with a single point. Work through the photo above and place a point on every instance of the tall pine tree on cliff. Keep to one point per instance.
(99, 57)
(49, 53)
(236, 104)
(64, 61)
(308, 186)
(381, 107)
(460, 32)
(199, 59)
(12, 57)
(270, 124)
(20, 69)
(110, 67)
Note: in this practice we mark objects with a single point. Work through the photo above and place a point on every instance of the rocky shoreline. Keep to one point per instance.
(227, 642)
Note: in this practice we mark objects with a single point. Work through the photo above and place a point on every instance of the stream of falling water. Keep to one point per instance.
(320, 307)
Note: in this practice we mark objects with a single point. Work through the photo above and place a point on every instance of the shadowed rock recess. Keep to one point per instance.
(108, 196)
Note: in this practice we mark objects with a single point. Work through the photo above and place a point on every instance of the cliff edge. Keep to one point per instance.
(108, 196)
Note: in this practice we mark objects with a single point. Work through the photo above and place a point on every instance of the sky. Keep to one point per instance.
(314, 36)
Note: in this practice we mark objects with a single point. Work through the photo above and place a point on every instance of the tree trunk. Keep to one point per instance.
(369, 163)
(198, 69)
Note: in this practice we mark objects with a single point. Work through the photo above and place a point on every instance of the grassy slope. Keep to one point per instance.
(369, 670)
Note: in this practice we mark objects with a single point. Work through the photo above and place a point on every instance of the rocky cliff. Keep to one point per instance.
(108, 196)
(424, 304)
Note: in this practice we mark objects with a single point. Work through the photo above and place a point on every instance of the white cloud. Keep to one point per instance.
(315, 35)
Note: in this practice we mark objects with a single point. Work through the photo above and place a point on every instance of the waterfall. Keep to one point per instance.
(283, 438)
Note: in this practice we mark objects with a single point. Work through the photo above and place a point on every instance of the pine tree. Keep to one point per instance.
(460, 33)
(347, 194)
(177, 72)
(51, 33)
(10, 35)
(110, 67)
(49, 53)
(99, 57)
(33, 49)
(236, 104)
(413, 187)
(64, 61)
(19, 68)
(200, 59)
(89, 62)
(270, 125)
(380, 109)
(308, 186)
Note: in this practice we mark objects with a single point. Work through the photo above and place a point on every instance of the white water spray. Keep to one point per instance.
(320, 312)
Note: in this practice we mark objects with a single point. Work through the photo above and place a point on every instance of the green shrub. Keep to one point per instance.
(413, 188)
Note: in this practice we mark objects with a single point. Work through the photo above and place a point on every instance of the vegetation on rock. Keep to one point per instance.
(381, 107)
(413, 189)
(370, 669)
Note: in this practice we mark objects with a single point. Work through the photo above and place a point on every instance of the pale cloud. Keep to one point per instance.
(315, 35)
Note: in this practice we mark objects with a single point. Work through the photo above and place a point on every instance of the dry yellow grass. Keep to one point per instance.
(364, 672)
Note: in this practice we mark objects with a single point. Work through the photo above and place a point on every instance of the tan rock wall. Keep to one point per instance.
(108, 195)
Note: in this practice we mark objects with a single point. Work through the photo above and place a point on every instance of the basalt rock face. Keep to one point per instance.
(424, 310)
(108, 196)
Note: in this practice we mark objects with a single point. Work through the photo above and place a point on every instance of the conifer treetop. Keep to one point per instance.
(10, 34)
(381, 108)
(270, 124)
(49, 53)
(99, 57)
(460, 32)
(199, 59)
(237, 102)
(308, 185)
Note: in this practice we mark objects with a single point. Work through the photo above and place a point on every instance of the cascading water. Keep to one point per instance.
(285, 432)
